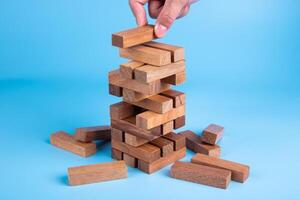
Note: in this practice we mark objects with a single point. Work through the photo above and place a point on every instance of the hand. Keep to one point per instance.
(165, 11)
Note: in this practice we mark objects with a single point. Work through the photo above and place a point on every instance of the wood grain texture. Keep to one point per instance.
(147, 55)
(177, 139)
(162, 162)
(117, 135)
(67, 142)
(134, 140)
(205, 175)
(178, 97)
(212, 134)
(149, 119)
(240, 172)
(179, 122)
(121, 110)
(133, 96)
(166, 146)
(93, 133)
(97, 173)
(175, 79)
(145, 152)
(130, 160)
(127, 69)
(115, 90)
(134, 36)
(194, 143)
(116, 154)
(177, 53)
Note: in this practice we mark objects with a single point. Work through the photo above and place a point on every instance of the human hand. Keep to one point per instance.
(165, 11)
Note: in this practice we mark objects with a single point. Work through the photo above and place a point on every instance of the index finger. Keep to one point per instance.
(138, 10)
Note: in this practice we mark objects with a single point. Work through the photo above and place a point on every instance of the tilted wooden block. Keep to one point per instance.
(175, 79)
(115, 90)
(129, 160)
(210, 176)
(117, 135)
(89, 134)
(212, 134)
(67, 142)
(127, 69)
(239, 171)
(162, 162)
(116, 154)
(194, 143)
(178, 97)
(134, 140)
(166, 146)
(97, 173)
(121, 110)
(133, 96)
(149, 119)
(149, 73)
(178, 140)
(179, 122)
(177, 52)
(133, 36)
(147, 55)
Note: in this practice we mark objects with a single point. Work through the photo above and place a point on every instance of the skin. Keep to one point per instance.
(165, 11)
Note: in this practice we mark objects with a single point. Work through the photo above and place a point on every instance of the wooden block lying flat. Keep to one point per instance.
(117, 135)
(212, 134)
(116, 154)
(121, 110)
(163, 129)
(149, 119)
(149, 73)
(178, 97)
(162, 162)
(194, 143)
(147, 55)
(134, 140)
(178, 140)
(179, 122)
(156, 103)
(166, 146)
(175, 79)
(210, 176)
(133, 96)
(146, 152)
(89, 134)
(177, 52)
(97, 173)
(115, 90)
(133, 36)
(127, 69)
(67, 142)
(239, 171)
(129, 160)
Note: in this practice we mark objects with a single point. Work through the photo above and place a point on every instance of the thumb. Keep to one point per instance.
(171, 10)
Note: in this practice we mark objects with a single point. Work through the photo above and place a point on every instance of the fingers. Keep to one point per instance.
(154, 8)
(137, 7)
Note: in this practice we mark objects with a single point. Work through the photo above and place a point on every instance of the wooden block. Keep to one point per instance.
(132, 96)
(205, 175)
(177, 139)
(135, 36)
(127, 69)
(145, 152)
(179, 122)
(177, 53)
(147, 55)
(156, 103)
(116, 154)
(117, 135)
(212, 134)
(149, 119)
(167, 128)
(166, 146)
(134, 140)
(121, 110)
(67, 142)
(89, 134)
(97, 173)
(175, 79)
(162, 162)
(115, 90)
(239, 171)
(194, 143)
(129, 160)
(178, 97)
(149, 73)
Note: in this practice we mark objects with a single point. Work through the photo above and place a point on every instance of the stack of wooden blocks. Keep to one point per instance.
(143, 122)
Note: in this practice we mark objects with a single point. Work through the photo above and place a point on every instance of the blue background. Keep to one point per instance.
(243, 72)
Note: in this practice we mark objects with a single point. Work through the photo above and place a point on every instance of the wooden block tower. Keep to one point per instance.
(144, 121)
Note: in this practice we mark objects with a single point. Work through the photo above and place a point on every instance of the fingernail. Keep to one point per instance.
(160, 30)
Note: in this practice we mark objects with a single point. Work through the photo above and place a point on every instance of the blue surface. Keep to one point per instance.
(243, 73)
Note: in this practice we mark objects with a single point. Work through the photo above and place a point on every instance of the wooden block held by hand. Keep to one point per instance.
(89, 134)
(212, 134)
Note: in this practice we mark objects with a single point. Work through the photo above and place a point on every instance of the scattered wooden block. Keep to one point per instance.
(162, 162)
(210, 176)
(133, 96)
(115, 90)
(179, 122)
(97, 173)
(147, 55)
(177, 139)
(133, 36)
(117, 135)
(149, 73)
(89, 134)
(134, 140)
(121, 110)
(130, 161)
(194, 143)
(177, 53)
(239, 171)
(166, 146)
(178, 97)
(149, 119)
(116, 154)
(212, 134)
(67, 142)
(175, 79)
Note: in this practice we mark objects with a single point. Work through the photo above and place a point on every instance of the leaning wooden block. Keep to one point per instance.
(147, 55)
(178, 140)
(134, 140)
(162, 162)
(175, 79)
(212, 134)
(133, 36)
(89, 134)
(239, 171)
(179, 122)
(202, 174)
(116, 154)
(166, 146)
(178, 97)
(194, 143)
(127, 69)
(97, 173)
(67, 142)
(115, 90)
